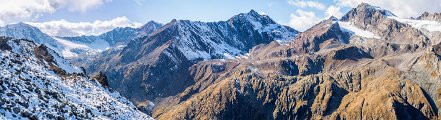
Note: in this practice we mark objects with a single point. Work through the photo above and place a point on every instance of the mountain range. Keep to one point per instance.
(368, 64)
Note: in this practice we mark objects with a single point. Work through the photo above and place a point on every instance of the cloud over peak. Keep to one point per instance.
(67, 29)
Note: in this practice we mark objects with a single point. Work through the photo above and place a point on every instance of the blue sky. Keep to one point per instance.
(92, 17)
(166, 10)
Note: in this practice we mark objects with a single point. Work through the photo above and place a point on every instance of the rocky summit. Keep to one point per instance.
(367, 64)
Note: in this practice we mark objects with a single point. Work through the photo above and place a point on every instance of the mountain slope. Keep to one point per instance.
(156, 66)
(36, 83)
(366, 65)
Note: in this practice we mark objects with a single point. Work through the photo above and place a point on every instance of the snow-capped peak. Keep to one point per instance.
(26, 31)
(381, 10)
(366, 11)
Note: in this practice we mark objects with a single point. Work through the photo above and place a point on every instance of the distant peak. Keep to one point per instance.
(333, 18)
(20, 24)
(173, 21)
(153, 22)
(253, 13)
(363, 4)
(370, 8)
(366, 11)
(430, 16)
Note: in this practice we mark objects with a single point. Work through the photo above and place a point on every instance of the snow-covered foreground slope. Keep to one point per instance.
(36, 83)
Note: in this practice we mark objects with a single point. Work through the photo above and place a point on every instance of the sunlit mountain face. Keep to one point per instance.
(146, 59)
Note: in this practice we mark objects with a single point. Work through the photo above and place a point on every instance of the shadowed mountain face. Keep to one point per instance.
(157, 65)
(367, 65)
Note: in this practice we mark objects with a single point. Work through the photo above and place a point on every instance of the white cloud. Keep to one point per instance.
(302, 20)
(25, 10)
(80, 5)
(407, 8)
(304, 4)
(65, 28)
(333, 11)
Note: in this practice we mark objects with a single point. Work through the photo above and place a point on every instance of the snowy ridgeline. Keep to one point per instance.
(30, 90)
(225, 38)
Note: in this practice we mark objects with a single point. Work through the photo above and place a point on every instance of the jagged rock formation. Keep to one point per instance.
(429, 16)
(102, 79)
(36, 83)
(367, 65)
(157, 65)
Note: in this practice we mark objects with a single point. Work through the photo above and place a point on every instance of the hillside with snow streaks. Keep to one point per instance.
(36, 83)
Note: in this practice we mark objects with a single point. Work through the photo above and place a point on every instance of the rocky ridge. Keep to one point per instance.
(366, 65)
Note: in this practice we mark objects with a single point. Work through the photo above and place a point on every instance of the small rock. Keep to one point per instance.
(50, 116)
(9, 94)
(26, 105)
(16, 110)
(26, 114)
(2, 102)
(37, 90)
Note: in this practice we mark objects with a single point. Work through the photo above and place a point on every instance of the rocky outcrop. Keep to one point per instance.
(3, 43)
(102, 79)
(429, 16)
(437, 49)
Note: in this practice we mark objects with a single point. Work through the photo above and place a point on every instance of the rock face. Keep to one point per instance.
(157, 65)
(36, 83)
(102, 79)
(367, 65)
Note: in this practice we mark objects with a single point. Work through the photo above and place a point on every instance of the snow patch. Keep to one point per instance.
(431, 26)
(349, 27)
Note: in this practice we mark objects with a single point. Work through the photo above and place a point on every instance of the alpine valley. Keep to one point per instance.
(368, 64)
